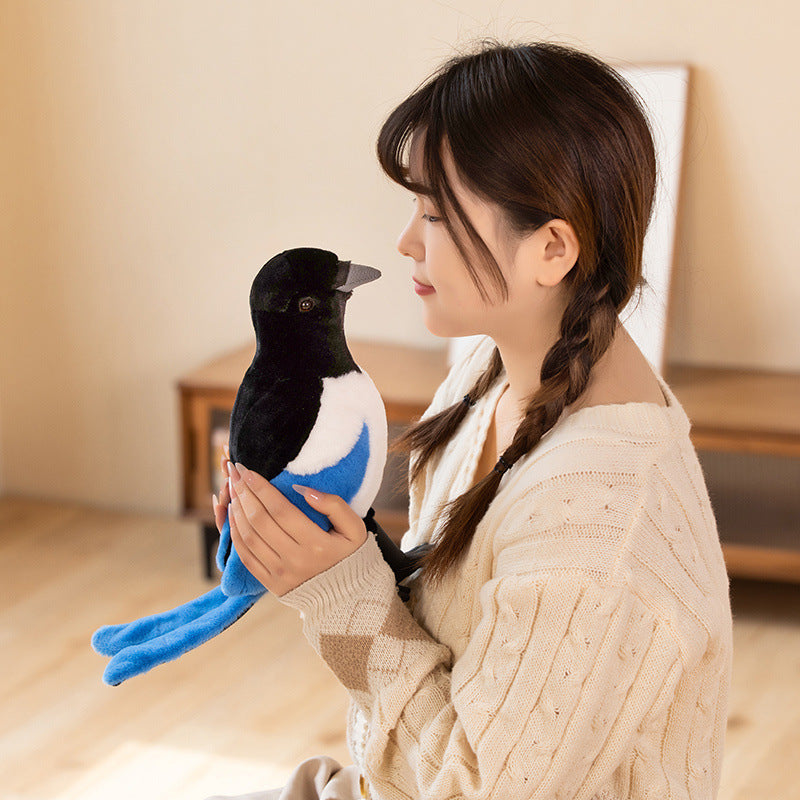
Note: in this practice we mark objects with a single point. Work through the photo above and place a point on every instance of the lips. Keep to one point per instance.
(422, 288)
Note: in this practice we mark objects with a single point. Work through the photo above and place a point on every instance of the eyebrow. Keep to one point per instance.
(415, 186)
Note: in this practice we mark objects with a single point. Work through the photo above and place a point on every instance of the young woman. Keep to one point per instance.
(570, 633)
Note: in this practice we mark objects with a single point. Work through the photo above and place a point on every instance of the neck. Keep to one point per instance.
(523, 367)
(523, 348)
(523, 359)
(321, 350)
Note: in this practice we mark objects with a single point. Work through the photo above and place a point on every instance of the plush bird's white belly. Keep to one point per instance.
(347, 403)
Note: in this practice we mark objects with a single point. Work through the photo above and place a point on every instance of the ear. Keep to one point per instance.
(557, 249)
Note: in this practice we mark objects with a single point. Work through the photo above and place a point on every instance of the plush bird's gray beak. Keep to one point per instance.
(352, 275)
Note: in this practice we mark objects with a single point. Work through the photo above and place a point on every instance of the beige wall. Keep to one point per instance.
(156, 153)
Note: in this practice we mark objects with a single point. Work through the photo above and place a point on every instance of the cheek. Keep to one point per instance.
(445, 268)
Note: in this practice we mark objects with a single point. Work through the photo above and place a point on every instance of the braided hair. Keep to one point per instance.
(544, 132)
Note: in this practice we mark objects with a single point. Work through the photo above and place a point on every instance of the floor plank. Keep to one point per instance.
(232, 716)
(238, 713)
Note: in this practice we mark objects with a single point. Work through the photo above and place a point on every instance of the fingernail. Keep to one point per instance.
(215, 501)
(306, 492)
(232, 471)
(227, 451)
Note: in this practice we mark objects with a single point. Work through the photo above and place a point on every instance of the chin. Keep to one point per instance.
(449, 328)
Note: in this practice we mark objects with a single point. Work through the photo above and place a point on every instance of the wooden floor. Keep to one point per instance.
(240, 712)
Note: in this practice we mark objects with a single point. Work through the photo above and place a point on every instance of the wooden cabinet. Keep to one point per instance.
(751, 413)
(732, 411)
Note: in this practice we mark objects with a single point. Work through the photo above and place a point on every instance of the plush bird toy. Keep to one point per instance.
(304, 414)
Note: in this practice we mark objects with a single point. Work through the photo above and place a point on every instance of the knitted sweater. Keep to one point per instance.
(582, 647)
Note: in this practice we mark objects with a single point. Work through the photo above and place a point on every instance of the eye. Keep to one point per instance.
(424, 216)
(307, 304)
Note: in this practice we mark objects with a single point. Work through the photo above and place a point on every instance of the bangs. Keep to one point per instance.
(396, 139)
(428, 119)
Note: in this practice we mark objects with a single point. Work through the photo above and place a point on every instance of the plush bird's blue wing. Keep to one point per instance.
(138, 646)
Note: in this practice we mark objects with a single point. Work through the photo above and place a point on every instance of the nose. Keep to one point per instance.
(410, 243)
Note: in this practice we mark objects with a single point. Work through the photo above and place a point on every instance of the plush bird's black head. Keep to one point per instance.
(306, 282)
(297, 303)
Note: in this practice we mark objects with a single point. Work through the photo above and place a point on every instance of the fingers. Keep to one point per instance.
(226, 457)
(220, 512)
(224, 460)
(255, 553)
(277, 542)
(265, 506)
(343, 519)
(220, 506)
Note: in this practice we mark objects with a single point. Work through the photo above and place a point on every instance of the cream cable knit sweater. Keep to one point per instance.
(583, 647)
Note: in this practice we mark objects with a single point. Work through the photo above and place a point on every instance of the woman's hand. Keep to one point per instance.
(221, 506)
(277, 542)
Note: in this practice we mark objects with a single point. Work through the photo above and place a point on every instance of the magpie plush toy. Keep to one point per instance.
(304, 414)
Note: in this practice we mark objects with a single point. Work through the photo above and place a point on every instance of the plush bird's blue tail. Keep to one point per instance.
(139, 646)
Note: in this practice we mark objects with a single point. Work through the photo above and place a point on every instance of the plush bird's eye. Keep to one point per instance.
(307, 303)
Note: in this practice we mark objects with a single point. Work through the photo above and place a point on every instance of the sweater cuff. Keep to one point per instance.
(360, 572)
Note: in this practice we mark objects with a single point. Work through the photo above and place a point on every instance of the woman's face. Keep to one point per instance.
(453, 304)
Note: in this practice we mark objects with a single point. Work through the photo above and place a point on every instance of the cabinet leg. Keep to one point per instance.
(209, 537)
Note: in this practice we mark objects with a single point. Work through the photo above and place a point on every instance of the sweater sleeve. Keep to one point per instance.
(560, 673)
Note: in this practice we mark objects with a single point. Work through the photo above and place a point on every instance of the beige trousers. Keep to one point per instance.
(319, 778)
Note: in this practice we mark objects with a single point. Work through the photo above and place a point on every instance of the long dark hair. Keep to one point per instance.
(545, 132)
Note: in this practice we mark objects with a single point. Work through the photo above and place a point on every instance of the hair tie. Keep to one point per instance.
(501, 466)
(468, 400)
